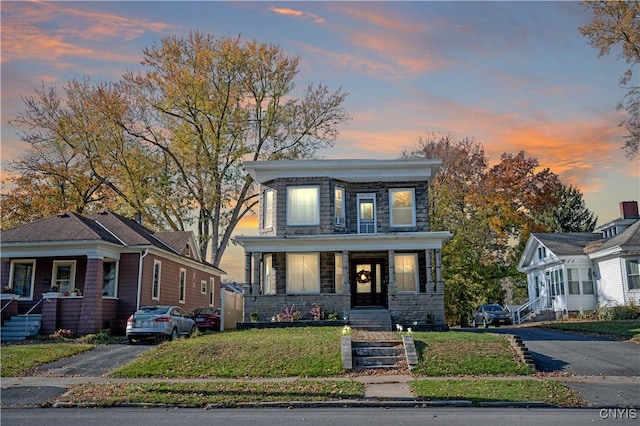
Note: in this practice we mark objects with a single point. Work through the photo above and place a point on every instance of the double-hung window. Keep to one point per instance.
(633, 275)
(403, 207)
(587, 281)
(109, 278)
(338, 200)
(267, 211)
(212, 291)
(406, 272)
(269, 275)
(303, 273)
(64, 275)
(22, 277)
(573, 280)
(303, 205)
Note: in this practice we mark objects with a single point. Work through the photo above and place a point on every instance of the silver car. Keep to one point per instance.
(159, 322)
(491, 314)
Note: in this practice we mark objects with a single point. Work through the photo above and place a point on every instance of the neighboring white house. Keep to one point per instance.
(577, 272)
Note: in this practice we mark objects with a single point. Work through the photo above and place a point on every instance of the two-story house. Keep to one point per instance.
(347, 235)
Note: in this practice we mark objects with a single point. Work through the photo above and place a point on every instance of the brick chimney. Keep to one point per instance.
(629, 209)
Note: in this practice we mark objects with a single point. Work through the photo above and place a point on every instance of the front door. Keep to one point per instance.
(368, 288)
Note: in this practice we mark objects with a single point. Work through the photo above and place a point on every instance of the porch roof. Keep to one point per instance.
(340, 242)
(348, 170)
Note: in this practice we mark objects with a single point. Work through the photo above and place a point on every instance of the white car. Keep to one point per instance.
(159, 322)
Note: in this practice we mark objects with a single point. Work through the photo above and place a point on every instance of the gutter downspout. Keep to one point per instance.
(142, 256)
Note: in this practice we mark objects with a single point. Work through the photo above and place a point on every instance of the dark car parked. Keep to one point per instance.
(491, 314)
(206, 319)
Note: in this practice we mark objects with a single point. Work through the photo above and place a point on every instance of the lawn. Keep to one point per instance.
(487, 390)
(454, 353)
(19, 359)
(621, 329)
(286, 352)
(222, 394)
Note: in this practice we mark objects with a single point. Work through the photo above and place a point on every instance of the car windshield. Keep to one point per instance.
(153, 310)
(493, 308)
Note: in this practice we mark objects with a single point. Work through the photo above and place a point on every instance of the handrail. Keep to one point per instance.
(517, 316)
(6, 304)
(26, 323)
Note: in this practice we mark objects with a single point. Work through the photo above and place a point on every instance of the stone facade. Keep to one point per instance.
(375, 250)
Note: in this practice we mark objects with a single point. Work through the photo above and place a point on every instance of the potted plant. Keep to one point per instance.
(55, 288)
(7, 289)
(75, 292)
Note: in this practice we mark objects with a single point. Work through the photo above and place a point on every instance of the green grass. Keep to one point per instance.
(486, 390)
(456, 353)
(17, 360)
(624, 329)
(287, 352)
(199, 394)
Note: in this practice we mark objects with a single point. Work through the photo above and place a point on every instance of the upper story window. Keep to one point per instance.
(542, 252)
(187, 250)
(64, 275)
(303, 205)
(339, 206)
(267, 211)
(403, 207)
(366, 213)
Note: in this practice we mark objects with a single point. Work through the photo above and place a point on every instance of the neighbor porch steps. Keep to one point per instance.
(19, 327)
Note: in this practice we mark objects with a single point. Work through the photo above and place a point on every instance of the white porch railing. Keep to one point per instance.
(523, 312)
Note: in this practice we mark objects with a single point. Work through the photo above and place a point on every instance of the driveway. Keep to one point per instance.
(605, 372)
(53, 379)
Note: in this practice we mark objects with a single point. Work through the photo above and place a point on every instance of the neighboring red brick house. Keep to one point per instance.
(116, 264)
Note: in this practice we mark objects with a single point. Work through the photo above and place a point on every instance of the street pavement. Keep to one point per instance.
(606, 373)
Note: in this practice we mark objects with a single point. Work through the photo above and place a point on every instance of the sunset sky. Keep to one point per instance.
(513, 75)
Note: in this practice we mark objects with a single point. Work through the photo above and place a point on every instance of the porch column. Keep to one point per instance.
(439, 285)
(346, 284)
(91, 311)
(255, 282)
(430, 286)
(391, 288)
(247, 273)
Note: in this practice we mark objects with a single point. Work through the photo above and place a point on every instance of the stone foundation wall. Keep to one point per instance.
(410, 309)
(268, 306)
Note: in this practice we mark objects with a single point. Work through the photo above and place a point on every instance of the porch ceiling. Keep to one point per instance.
(341, 242)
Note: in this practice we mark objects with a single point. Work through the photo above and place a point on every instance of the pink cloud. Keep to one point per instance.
(298, 14)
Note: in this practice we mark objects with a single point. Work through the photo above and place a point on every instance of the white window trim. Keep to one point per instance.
(203, 286)
(375, 216)
(159, 263)
(267, 213)
(72, 278)
(340, 221)
(33, 275)
(182, 285)
(413, 207)
(268, 278)
(212, 291)
(315, 223)
(316, 290)
(417, 272)
(115, 284)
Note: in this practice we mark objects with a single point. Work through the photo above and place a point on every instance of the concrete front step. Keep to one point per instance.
(20, 327)
(380, 354)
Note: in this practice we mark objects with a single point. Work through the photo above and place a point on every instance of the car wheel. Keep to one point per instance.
(193, 330)
(484, 323)
(474, 323)
(131, 340)
(174, 334)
